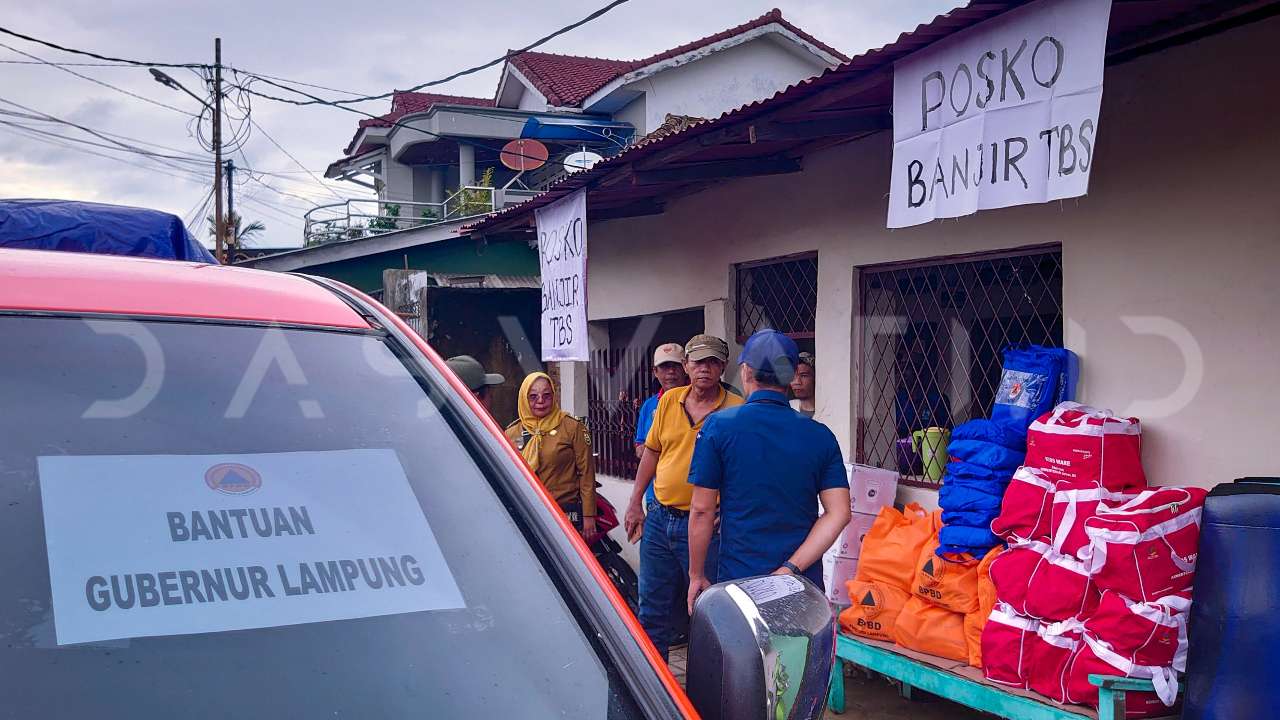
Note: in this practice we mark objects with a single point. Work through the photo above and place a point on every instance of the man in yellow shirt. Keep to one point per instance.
(664, 530)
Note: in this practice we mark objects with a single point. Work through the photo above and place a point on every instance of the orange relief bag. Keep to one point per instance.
(949, 582)
(930, 629)
(975, 621)
(891, 546)
(874, 611)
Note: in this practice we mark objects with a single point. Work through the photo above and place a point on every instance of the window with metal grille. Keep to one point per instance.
(781, 294)
(931, 348)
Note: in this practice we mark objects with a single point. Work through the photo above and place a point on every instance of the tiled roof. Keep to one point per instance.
(406, 103)
(567, 80)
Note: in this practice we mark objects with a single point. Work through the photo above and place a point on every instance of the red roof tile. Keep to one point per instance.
(407, 103)
(567, 80)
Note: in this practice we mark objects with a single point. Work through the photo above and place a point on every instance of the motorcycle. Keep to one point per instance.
(609, 554)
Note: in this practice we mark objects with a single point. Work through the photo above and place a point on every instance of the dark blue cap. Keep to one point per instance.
(771, 352)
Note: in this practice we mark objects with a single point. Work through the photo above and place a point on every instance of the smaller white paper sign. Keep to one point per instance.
(145, 545)
(562, 261)
(774, 587)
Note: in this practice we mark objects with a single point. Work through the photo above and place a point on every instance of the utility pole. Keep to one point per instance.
(219, 222)
(233, 242)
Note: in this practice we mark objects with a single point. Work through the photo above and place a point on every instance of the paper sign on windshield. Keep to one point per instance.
(143, 545)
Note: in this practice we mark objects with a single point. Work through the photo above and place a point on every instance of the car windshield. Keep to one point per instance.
(219, 520)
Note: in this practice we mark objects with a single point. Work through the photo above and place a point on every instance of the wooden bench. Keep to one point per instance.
(965, 685)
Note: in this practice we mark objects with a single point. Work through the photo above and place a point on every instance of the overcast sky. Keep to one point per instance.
(365, 47)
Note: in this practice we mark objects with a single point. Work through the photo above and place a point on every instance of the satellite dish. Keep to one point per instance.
(523, 154)
(582, 160)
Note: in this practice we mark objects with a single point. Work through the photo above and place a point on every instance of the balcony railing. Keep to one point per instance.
(356, 219)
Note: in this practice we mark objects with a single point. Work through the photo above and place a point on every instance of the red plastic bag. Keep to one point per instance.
(1146, 548)
(1078, 442)
(1037, 582)
(1095, 657)
(1049, 654)
(1011, 570)
(1145, 633)
(1025, 511)
(1060, 588)
(1005, 639)
(1074, 502)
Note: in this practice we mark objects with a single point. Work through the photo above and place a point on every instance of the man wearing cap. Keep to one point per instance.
(472, 374)
(802, 386)
(668, 370)
(668, 448)
(763, 464)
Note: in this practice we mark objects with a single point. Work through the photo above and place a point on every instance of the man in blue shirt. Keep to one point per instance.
(668, 370)
(764, 465)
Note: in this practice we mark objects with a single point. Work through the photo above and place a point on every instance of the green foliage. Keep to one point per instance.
(238, 234)
(472, 201)
(387, 219)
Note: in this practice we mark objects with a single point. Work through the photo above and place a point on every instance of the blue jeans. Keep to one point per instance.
(664, 571)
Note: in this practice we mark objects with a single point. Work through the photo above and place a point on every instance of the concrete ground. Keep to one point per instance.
(868, 697)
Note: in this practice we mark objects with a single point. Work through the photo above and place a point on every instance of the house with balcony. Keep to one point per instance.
(434, 164)
(435, 157)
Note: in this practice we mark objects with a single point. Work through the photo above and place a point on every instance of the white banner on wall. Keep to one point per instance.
(1004, 113)
(145, 545)
(562, 253)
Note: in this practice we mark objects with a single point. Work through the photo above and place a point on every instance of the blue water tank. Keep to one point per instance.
(1235, 613)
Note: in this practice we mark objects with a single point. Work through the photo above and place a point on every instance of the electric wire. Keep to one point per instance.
(118, 136)
(76, 148)
(69, 138)
(97, 81)
(295, 160)
(469, 71)
(96, 56)
(95, 133)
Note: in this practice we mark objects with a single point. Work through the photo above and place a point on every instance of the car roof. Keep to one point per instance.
(69, 282)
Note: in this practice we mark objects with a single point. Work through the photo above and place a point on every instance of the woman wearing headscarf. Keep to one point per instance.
(558, 449)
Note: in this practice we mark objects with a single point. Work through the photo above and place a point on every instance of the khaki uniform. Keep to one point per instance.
(565, 464)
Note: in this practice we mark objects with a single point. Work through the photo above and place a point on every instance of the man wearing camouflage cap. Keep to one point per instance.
(472, 374)
(664, 531)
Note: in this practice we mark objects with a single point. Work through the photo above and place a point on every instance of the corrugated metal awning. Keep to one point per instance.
(485, 282)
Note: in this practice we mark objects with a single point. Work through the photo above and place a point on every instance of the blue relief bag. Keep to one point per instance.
(1035, 379)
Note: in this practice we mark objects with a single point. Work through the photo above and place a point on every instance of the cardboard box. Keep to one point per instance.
(871, 488)
(836, 572)
(849, 544)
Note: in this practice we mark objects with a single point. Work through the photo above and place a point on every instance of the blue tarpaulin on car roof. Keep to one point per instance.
(97, 228)
(575, 129)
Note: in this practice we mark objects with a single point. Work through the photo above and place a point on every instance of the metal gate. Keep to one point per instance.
(619, 384)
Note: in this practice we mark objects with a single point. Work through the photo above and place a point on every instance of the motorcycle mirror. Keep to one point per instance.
(761, 648)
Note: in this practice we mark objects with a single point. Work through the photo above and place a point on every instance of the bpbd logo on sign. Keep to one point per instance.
(233, 479)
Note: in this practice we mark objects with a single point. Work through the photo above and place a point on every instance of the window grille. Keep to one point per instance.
(781, 294)
(931, 346)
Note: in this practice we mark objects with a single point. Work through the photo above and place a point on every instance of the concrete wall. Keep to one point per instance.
(634, 113)
(1170, 263)
(530, 100)
(722, 81)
